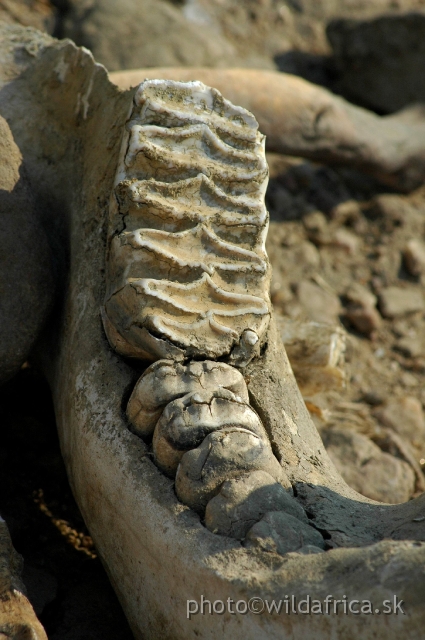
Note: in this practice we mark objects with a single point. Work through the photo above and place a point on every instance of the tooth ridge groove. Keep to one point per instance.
(190, 264)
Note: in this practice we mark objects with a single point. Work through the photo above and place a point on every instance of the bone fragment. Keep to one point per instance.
(302, 119)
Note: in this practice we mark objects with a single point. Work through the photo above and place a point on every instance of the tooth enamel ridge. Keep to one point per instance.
(188, 277)
(189, 266)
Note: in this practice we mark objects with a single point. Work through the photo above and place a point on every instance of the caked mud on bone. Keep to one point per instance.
(188, 275)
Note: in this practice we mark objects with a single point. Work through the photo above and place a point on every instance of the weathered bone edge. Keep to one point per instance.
(157, 553)
(188, 274)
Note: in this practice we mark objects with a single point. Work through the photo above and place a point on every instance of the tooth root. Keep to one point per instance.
(223, 455)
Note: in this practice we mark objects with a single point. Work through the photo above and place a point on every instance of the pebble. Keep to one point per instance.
(361, 310)
(405, 416)
(414, 257)
(318, 304)
(409, 346)
(370, 471)
(346, 240)
(395, 301)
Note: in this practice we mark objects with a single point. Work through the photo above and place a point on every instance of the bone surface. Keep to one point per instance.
(302, 119)
(158, 552)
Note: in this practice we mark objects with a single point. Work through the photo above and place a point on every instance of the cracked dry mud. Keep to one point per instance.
(127, 502)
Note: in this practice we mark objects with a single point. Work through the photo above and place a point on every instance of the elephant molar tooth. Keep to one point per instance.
(188, 275)
(243, 501)
(223, 454)
(186, 421)
(165, 380)
(282, 533)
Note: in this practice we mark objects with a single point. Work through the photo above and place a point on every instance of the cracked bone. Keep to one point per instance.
(222, 455)
(165, 381)
(186, 421)
(156, 550)
(244, 500)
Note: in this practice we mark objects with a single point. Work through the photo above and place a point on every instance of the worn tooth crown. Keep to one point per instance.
(188, 274)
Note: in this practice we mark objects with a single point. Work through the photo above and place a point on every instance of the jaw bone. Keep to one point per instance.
(158, 553)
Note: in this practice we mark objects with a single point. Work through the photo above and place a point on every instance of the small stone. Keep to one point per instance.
(414, 257)
(279, 532)
(373, 473)
(306, 254)
(410, 346)
(365, 320)
(318, 304)
(346, 240)
(395, 301)
(315, 221)
(406, 417)
(357, 294)
(361, 311)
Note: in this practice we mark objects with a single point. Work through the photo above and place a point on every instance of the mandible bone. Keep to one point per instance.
(129, 506)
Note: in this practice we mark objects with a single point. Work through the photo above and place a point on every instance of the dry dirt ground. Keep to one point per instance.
(345, 251)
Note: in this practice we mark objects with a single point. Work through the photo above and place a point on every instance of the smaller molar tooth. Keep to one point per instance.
(186, 421)
(250, 337)
(281, 533)
(164, 381)
(243, 501)
(224, 454)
